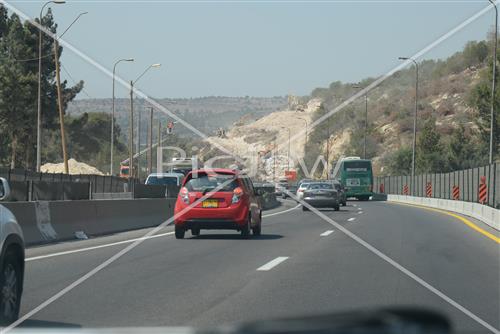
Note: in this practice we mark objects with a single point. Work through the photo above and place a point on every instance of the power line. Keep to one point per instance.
(74, 81)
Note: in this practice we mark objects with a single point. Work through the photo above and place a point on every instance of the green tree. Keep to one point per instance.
(480, 100)
(430, 153)
(89, 139)
(461, 150)
(18, 87)
(399, 163)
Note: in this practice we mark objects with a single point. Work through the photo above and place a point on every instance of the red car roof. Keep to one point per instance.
(215, 171)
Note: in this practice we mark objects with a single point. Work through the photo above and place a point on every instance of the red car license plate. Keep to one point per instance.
(210, 203)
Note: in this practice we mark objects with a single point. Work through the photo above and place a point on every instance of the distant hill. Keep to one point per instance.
(204, 113)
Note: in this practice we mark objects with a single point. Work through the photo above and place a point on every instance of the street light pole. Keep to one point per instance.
(131, 126)
(366, 121)
(59, 95)
(131, 133)
(414, 123)
(366, 126)
(113, 115)
(39, 97)
(328, 149)
(138, 142)
(150, 141)
(158, 148)
(492, 113)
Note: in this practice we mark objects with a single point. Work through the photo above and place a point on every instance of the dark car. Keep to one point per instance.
(290, 189)
(341, 190)
(321, 195)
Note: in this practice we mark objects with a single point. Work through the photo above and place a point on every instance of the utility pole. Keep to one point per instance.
(366, 126)
(39, 94)
(274, 163)
(492, 113)
(59, 102)
(159, 143)
(131, 133)
(328, 148)
(414, 125)
(113, 115)
(138, 143)
(366, 120)
(150, 141)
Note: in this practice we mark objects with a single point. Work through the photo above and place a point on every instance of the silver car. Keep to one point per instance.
(300, 190)
(321, 195)
(11, 261)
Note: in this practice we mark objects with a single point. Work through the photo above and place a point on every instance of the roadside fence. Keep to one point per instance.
(479, 185)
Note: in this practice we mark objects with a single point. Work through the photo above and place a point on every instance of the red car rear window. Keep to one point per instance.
(204, 183)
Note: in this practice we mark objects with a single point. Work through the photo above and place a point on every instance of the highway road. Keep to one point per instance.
(301, 265)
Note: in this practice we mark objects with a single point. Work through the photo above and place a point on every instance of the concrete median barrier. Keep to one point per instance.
(51, 221)
(484, 213)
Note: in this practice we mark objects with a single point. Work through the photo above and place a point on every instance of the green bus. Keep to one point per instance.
(356, 176)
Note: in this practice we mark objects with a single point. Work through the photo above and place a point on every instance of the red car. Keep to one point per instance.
(234, 205)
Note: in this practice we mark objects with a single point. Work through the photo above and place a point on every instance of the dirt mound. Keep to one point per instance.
(74, 166)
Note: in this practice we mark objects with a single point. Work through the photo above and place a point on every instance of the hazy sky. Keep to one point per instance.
(257, 48)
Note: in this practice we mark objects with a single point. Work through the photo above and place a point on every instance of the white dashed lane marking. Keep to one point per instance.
(271, 264)
(327, 233)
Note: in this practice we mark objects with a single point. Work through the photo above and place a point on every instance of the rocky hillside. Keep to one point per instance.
(391, 121)
(446, 90)
(265, 139)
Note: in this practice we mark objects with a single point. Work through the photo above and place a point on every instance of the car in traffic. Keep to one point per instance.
(217, 199)
(292, 189)
(341, 191)
(321, 195)
(300, 190)
(279, 189)
(304, 181)
(165, 179)
(11, 261)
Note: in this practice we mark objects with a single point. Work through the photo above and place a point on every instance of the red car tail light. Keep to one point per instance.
(184, 195)
(237, 193)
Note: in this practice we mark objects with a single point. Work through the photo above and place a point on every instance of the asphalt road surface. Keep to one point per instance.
(301, 265)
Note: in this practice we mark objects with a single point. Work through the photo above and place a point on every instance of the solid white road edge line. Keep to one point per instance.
(280, 212)
(96, 247)
(327, 233)
(40, 257)
(271, 264)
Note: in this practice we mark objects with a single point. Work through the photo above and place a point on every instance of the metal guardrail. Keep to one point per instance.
(479, 185)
